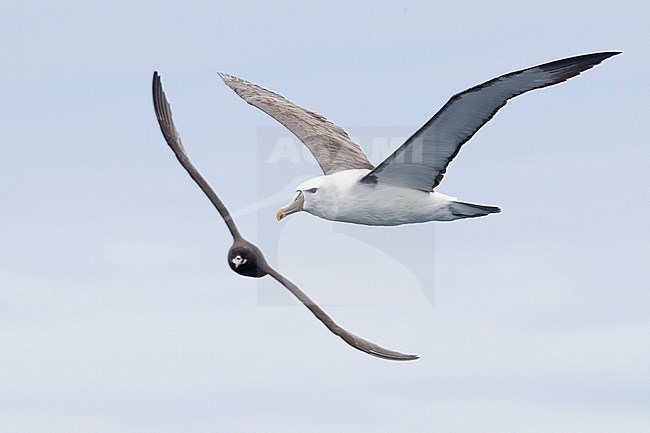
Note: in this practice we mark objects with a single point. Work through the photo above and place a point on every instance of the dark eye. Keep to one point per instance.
(312, 190)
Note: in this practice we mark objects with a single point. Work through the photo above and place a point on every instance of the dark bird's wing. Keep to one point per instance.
(421, 162)
(164, 115)
(173, 138)
(353, 340)
(331, 146)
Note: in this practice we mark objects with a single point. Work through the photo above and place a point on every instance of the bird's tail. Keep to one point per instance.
(469, 210)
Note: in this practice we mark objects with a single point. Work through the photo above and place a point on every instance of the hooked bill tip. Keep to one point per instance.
(279, 214)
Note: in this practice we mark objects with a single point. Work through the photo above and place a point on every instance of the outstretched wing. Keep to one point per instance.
(421, 162)
(353, 340)
(173, 139)
(331, 146)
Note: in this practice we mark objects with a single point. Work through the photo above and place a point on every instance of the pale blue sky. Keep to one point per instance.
(118, 313)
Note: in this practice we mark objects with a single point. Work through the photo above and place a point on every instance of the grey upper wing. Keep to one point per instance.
(353, 340)
(421, 162)
(172, 137)
(331, 146)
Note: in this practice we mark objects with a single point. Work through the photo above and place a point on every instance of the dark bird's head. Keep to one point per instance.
(246, 259)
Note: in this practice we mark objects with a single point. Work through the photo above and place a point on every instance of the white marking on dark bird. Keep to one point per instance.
(402, 189)
(238, 261)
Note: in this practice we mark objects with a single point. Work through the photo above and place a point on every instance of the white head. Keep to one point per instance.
(316, 196)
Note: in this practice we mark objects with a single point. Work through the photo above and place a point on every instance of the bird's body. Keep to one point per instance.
(401, 189)
(343, 197)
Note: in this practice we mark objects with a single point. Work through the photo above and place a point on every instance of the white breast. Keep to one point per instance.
(348, 200)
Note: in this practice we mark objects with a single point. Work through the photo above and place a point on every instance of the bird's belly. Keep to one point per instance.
(393, 206)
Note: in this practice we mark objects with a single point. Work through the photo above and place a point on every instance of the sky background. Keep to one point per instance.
(118, 312)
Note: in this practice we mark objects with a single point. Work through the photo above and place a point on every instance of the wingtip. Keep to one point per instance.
(382, 353)
(591, 58)
(394, 356)
(602, 56)
(378, 351)
(409, 358)
(608, 54)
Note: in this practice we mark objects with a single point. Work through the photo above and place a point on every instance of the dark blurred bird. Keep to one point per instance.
(244, 257)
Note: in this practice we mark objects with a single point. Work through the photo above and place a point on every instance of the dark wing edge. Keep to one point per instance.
(172, 137)
(353, 340)
(330, 145)
(558, 71)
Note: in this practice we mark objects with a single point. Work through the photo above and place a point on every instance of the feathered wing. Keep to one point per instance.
(421, 162)
(172, 137)
(353, 340)
(331, 146)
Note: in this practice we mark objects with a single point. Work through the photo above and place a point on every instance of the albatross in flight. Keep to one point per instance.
(244, 257)
(402, 189)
